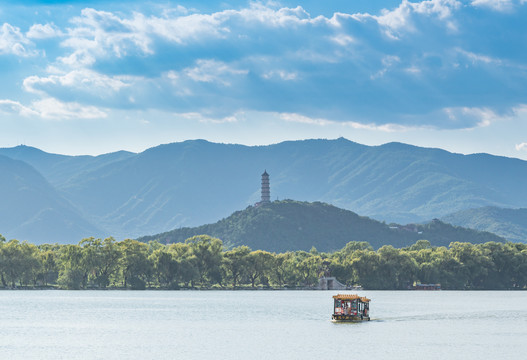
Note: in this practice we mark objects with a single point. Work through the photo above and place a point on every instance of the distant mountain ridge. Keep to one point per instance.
(196, 182)
(32, 209)
(60, 169)
(508, 223)
(292, 225)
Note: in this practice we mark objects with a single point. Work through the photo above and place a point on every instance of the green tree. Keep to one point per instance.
(258, 266)
(101, 258)
(73, 272)
(420, 245)
(281, 268)
(32, 264)
(187, 263)
(450, 272)
(134, 264)
(235, 263)
(475, 261)
(2, 262)
(165, 267)
(308, 267)
(365, 266)
(342, 270)
(50, 267)
(208, 252)
(20, 263)
(350, 248)
(520, 275)
(397, 268)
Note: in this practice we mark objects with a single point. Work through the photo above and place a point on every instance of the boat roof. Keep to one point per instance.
(351, 297)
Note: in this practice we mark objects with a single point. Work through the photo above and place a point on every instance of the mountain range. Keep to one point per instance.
(58, 198)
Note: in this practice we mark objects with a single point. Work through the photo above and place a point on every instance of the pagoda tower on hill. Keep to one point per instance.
(266, 189)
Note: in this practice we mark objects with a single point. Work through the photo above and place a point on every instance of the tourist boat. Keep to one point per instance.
(350, 307)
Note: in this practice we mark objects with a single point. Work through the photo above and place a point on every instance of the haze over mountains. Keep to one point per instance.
(57, 198)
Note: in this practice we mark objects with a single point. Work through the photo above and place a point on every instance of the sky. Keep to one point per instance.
(92, 77)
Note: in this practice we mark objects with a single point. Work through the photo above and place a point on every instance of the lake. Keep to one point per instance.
(260, 325)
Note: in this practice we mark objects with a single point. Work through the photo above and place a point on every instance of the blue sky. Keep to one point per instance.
(90, 77)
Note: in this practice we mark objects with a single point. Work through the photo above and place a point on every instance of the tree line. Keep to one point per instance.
(202, 262)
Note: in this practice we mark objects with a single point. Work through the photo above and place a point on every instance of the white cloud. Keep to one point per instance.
(180, 29)
(396, 19)
(468, 116)
(498, 5)
(521, 147)
(14, 107)
(46, 31)
(388, 62)
(478, 58)
(302, 119)
(213, 71)
(268, 16)
(387, 128)
(520, 110)
(79, 58)
(343, 39)
(298, 118)
(102, 33)
(441, 8)
(399, 20)
(12, 41)
(413, 70)
(281, 74)
(195, 116)
(177, 83)
(52, 109)
(265, 57)
(84, 80)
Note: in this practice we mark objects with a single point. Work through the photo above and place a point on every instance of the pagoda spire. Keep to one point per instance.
(266, 189)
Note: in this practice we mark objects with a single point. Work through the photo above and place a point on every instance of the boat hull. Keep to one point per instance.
(349, 318)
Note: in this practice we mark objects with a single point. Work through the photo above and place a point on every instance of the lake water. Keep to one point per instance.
(260, 325)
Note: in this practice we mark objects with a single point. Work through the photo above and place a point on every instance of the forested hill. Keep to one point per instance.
(509, 223)
(291, 225)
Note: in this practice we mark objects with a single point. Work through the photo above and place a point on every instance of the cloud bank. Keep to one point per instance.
(437, 63)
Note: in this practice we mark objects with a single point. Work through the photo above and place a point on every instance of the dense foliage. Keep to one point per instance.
(203, 262)
(295, 225)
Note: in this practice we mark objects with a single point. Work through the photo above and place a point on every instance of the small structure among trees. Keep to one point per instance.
(328, 282)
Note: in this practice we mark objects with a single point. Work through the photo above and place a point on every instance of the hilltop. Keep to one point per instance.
(292, 225)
